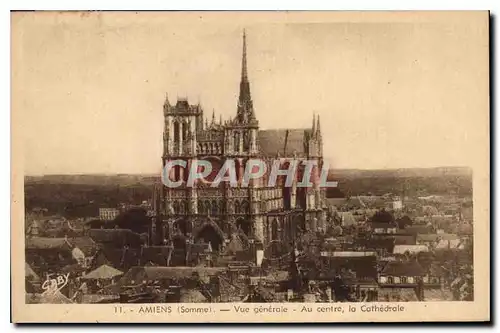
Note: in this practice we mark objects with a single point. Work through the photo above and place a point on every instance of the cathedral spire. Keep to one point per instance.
(314, 124)
(244, 73)
(213, 116)
(245, 96)
(245, 105)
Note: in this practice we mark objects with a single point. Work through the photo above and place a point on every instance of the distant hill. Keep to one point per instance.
(94, 179)
(334, 174)
(397, 173)
(415, 181)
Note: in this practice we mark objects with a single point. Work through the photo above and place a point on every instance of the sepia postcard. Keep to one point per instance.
(182, 167)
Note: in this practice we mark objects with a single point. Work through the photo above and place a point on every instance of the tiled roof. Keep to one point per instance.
(386, 243)
(103, 272)
(450, 244)
(30, 273)
(402, 249)
(118, 237)
(156, 255)
(46, 243)
(271, 142)
(435, 237)
(85, 244)
(417, 229)
(140, 274)
(336, 201)
(363, 267)
(192, 296)
(118, 258)
(399, 268)
(405, 239)
(347, 219)
(235, 245)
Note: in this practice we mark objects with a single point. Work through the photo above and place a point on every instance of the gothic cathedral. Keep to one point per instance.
(257, 214)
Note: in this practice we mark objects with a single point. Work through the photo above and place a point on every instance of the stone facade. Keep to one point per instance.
(258, 213)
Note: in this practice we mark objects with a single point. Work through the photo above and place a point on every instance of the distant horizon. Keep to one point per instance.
(468, 168)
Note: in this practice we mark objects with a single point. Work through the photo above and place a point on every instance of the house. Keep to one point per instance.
(433, 239)
(434, 277)
(119, 258)
(383, 228)
(402, 239)
(395, 204)
(417, 229)
(116, 237)
(347, 219)
(156, 255)
(382, 244)
(451, 244)
(83, 249)
(108, 214)
(172, 276)
(401, 274)
(363, 265)
(45, 254)
(411, 249)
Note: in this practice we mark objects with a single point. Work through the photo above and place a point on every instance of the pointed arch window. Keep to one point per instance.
(184, 131)
(176, 132)
(237, 141)
(214, 208)
(244, 207)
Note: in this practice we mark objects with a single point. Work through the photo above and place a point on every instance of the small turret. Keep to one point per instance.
(318, 129)
(314, 124)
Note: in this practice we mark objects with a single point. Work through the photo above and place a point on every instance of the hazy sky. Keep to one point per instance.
(391, 93)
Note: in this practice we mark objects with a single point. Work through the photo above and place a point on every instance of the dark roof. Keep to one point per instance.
(116, 257)
(336, 201)
(417, 229)
(362, 266)
(405, 239)
(402, 268)
(382, 225)
(118, 237)
(39, 243)
(30, 287)
(103, 272)
(139, 274)
(156, 255)
(197, 248)
(85, 244)
(273, 141)
(377, 243)
(29, 273)
(235, 245)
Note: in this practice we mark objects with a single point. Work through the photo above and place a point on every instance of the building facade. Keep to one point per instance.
(108, 214)
(258, 213)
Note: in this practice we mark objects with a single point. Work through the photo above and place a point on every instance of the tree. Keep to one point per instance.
(334, 231)
(404, 221)
(134, 219)
(382, 216)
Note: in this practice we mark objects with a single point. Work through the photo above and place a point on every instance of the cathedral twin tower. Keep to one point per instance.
(257, 214)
